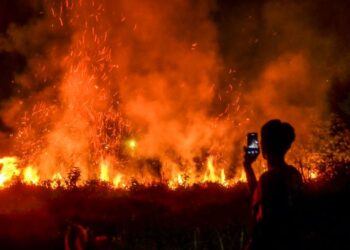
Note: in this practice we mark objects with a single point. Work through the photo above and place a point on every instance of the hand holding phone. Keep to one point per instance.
(252, 144)
(251, 150)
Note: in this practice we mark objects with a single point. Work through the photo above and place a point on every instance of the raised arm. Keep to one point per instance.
(247, 164)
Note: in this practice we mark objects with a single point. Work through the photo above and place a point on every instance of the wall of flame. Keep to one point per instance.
(159, 90)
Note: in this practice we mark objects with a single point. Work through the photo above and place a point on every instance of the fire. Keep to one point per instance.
(56, 181)
(9, 170)
(180, 180)
(104, 175)
(313, 174)
(214, 176)
(105, 107)
(117, 181)
(132, 144)
(133, 98)
(242, 177)
(223, 178)
(30, 176)
(210, 175)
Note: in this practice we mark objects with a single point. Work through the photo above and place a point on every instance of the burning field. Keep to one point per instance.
(112, 111)
(138, 92)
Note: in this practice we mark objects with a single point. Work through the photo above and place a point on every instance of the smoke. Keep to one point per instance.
(185, 79)
(294, 83)
(288, 56)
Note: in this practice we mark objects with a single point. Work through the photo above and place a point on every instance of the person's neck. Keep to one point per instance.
(276, 162)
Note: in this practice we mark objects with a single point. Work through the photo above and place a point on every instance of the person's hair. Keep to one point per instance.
(277, 136)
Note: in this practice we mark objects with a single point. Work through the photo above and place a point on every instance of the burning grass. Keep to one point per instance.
(12, 172)
(134, 92)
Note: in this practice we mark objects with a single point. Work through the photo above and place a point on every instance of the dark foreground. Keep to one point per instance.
(208, 217)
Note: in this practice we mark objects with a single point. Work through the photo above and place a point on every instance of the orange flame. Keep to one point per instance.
(30, 176)
(209, 175)
(104, 171)
(117, 181)
(223, 178)
(313, 174)
(56, 181)
(9, 170)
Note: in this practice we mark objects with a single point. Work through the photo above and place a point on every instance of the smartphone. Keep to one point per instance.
(252, 144)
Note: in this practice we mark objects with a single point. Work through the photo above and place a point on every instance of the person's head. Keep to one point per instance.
(276, 139)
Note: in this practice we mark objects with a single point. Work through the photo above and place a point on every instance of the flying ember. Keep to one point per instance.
(134, 92)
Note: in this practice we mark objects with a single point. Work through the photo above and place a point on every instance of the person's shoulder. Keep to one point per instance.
(268, 175)
(272, 174)
(265, 175)
(293, 170)
(295, 175)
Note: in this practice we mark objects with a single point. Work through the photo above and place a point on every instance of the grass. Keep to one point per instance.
(210, 217)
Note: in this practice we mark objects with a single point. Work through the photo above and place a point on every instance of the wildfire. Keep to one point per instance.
(117, 181)
(223, 178)
(30, 176)
(56, 181)
(124, 96)
(11, 171)
(180, 180)
(242, 177)
(104, 173)
(210, 175)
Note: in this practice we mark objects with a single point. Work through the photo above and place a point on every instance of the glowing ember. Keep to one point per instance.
(313, 174)
(131, 144)
(155, 106)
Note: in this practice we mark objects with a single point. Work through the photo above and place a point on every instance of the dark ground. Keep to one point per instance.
(208, 217)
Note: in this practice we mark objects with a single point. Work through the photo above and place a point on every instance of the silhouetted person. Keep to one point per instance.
(276, 195)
